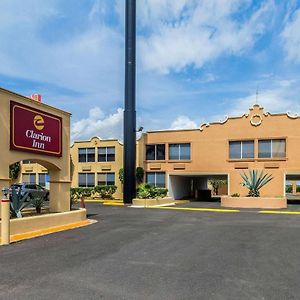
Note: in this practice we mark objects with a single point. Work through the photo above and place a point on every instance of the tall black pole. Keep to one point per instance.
(129, 112)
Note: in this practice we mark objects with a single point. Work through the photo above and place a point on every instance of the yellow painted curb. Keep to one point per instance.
(101, 201)
(279, 212)
(114, 203)
(32, 234)
(197, 209)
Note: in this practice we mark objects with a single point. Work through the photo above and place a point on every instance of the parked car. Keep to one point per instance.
(31, 189)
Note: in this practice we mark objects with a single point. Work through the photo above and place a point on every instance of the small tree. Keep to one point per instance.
(139, 175)
(14, 170)
(121, 175)
(217, 184)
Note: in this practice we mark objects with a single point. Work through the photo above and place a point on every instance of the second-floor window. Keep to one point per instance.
(106, 154)
(241, 149)
(86, 154)
(179, 151)
(29, 178)
(155, 152)
(272, 148)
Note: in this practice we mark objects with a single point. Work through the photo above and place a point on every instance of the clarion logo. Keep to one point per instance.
(39, 122)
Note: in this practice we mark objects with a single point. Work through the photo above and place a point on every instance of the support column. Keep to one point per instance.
(4, 183)
(60, 196)
(5, 221)
(294, 187)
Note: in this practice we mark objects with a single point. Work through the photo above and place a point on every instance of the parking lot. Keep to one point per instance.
(159, 254)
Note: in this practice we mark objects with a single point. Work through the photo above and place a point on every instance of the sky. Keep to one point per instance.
(197, 60)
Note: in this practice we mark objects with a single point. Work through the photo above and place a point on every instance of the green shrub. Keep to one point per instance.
(139, 175)
(105, 191)
(81, 192)
(298, 189)
(74, 198)
(147, 191)
(38, 203)
(235, 195)
(289, 189)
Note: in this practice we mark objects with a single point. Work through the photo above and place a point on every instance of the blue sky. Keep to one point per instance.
(198, 60)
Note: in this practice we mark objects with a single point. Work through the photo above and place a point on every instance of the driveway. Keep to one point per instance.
(158, 254)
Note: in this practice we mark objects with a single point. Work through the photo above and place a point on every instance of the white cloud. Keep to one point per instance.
(191, 33)
(183, 122)
(98, 124)
(273, 101)
(88, 60)
(291, 38)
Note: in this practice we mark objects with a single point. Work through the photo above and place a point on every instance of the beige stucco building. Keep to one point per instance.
(97, 162)
(185, 160)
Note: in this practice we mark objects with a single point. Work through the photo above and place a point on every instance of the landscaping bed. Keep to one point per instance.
(254, 202)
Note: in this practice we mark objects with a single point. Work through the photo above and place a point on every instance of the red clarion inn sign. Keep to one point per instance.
(33, 130)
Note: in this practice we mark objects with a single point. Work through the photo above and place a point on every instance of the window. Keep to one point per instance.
(86, 179)
(179, 151)
(272, 148)
(86, 154)
(25, 162)
(155, 152)
(29, 178)
(106, 154)
(43, 179)
(106, 179)
(241, 149)
(156, 178)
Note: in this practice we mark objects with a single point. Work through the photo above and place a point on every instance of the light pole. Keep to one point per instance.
(129, 112)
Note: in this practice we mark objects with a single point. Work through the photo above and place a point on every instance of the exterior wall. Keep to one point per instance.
(58, 166)
(210, 149)
(97, 167)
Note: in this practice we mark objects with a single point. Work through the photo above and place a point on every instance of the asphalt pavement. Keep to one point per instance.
(159, 254)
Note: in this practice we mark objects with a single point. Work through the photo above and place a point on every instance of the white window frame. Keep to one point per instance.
(106, 173)
(241, 147)
(106, 147)
(86, 181)
(179, 151)
(272, 147)
(155, 179)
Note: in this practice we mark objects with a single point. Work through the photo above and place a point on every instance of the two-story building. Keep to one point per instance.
(185, 160)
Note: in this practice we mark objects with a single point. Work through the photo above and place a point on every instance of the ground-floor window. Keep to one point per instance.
(157, 179)
(106, 178)
(29, 178)
(86, 179)
(43, 179)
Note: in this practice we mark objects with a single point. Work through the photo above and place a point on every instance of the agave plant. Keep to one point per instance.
(18, 202)
(255, 181)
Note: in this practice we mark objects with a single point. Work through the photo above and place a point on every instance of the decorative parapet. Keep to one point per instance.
(256, 114)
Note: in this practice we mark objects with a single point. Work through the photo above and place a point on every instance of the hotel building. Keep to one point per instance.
(185, 160)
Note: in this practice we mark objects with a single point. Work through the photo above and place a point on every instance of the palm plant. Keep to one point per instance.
(255, 181)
